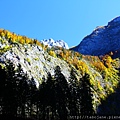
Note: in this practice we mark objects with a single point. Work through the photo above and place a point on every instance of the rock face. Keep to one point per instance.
(50, 42)
(102, 40)
(34, 61)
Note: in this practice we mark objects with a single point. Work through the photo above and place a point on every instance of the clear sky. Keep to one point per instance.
(69, 20)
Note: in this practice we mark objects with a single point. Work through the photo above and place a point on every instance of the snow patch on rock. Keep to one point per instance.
(50, 42)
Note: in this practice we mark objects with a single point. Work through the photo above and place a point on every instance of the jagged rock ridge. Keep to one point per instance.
(51, 43)
(102, 40)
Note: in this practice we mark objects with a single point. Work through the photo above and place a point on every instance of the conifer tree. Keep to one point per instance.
(74, 96)
(2, 87)
(86, 96)
(10, 93)
(61, 92)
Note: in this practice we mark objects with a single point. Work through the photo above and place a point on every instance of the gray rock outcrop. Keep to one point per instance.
(102, 40)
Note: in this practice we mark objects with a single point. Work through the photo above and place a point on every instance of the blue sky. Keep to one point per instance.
(69, 20)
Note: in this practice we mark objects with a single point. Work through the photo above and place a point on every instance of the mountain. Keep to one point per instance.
(102, 40)
(51, 43)
(42, 82)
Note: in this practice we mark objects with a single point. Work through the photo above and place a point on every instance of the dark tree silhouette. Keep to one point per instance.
(32, 97)
(51, 96)
(74, 96)
(14, 91)
(61, 88)
(2, 87)
(54, 99)
(86, 96)
(9, 91)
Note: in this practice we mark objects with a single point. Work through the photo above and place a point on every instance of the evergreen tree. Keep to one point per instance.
(14, 90)
(42, 100)
(86, 96)
(9, 90)
(32, 97)
(2, 87)
(23, 91)
(61, 88)
(74, 96)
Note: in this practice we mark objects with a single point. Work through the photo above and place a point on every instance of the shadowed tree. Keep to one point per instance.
(74, 96)
(2, 87)
(86, 96)
(9, 90)
(32, 97)
(14, 90)
(51, 96)
(47, 98)
(61, 91)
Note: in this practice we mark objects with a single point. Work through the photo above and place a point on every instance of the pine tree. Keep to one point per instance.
(61, 87)
(10, 98)
(86, 96)
(73, 97)
(32, 97)
(2, 87)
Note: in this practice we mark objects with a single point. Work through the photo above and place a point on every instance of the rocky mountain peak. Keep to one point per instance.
(102, 40)
(51, 43)
(115, 20)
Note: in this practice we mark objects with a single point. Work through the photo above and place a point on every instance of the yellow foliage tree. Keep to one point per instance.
(99, 65)
(27, 41)
(107, 60)
(61, 54)
(22, 41)
(52, 53)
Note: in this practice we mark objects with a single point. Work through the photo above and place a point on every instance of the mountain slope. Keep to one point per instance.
(37, 60)
(102, 40)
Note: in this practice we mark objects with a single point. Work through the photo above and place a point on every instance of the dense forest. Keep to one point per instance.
(55, 99)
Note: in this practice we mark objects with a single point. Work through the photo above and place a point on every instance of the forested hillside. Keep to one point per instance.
(42, 83)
